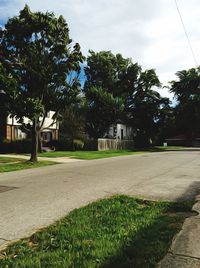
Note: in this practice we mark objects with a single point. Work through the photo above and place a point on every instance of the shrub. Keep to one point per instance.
(78, 145)
(62, 144)
(18, 146)
(67, 144)
(91, 145)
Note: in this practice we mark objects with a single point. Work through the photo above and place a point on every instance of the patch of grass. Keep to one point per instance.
(23, 164)
(89, 155)
(4, 160)
(117, 232)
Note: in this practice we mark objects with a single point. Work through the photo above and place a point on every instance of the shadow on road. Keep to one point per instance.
(191, 192)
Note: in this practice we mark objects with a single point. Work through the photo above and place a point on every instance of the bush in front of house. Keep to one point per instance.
(90, 145)
(17, 146)
(62, 144)
(78, 145)
(67, 144)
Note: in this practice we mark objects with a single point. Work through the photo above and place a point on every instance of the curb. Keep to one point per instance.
(184, 251)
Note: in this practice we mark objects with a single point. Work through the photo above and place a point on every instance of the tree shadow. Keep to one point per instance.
(192, 191)
(144, 249)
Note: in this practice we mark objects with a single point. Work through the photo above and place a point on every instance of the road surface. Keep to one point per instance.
(31, 199)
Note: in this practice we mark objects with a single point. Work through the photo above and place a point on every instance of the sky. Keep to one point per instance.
(148, 31)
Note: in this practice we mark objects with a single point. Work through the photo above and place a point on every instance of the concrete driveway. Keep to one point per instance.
(31, 199)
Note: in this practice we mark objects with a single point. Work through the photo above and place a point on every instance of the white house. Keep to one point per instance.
(120, 131)
(11, 131)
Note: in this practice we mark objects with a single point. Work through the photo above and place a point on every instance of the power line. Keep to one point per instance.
(187, 37)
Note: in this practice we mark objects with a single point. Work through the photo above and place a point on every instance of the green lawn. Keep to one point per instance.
(4, 160)
(117, 232)
(89, 155)
(8, 164)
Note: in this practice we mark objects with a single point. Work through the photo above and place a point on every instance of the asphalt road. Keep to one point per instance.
(31, 199)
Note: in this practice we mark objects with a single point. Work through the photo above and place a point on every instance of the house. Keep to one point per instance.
(118, 137)
(10, 129)
(120, 131)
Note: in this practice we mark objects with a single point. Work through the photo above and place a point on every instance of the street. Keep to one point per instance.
(31, 199)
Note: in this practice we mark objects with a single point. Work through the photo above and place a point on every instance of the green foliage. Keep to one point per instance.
(62, 144)
(78, 144)
(103, 110)
(40, 55)
(7, 89)
(18, 146)
(187, 92)
(113, 73)
(66, 144)
(167, 126)
(146, 106)
(108, 233)
(119, 90)
(73, 121)
(110, 79)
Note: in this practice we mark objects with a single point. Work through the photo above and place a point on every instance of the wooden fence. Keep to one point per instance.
(115, 144)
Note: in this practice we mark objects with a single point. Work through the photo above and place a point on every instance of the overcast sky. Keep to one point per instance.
(148, 31)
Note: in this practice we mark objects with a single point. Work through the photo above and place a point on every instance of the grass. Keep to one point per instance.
(89, 155)
(117, 232)
(4, 160)
(8, 164)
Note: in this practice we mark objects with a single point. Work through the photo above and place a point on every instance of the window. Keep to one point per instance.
(18, 134)
(47, 136)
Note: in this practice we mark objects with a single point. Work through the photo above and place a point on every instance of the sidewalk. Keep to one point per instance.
(185, 249)
(54, 159)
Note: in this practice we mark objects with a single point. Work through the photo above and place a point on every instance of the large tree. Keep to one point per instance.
(114, 82)
(144, 107)
(187, 93)
(110, 80)
(39, 51)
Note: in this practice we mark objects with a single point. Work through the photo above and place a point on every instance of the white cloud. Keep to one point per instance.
(148, 31)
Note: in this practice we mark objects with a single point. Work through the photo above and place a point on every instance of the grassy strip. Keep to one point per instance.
(4, 160)
(89, 155)
(23, 164)
(117, 232)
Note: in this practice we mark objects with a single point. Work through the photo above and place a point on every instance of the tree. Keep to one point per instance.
(73, 121)
(167, 126)
(110, 79)
(101, 111)
(187, 93)
(38, 49)
(144, 107)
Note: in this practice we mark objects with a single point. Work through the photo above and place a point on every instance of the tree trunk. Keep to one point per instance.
(34, 151)
(39, 142)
